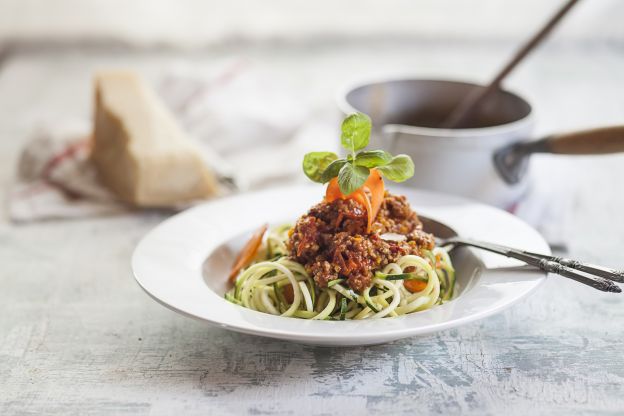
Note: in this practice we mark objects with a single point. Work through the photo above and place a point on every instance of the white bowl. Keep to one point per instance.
(183, 264)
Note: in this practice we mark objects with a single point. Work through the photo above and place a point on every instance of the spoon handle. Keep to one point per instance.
(477, 97)
(542, 262)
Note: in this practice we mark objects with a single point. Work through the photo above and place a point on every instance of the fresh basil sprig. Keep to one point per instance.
(355, 132)
(353, 170)
(315, 163)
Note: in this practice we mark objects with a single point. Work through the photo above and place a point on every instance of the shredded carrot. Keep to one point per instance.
(370, 195)
(414, 286)
(375, 185)
(333, 191)
(248, 252)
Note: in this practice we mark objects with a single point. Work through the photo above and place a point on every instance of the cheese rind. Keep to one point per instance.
(139, 151)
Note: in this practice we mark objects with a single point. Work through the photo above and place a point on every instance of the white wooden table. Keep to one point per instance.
(78, 336)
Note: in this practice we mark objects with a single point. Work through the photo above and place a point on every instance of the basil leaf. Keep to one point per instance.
(351, 178)
(332, 170)
(355, 132)
(373, 158)
(399, 169)
(315, 163)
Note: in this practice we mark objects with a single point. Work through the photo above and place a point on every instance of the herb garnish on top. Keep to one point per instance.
(353, 170)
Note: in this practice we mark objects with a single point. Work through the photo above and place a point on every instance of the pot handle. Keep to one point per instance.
(511, 160)
(587, 142)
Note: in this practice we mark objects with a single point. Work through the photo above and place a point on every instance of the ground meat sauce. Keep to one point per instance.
(331, 240)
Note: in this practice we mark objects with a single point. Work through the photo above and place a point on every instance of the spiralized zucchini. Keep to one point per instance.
(261, 286)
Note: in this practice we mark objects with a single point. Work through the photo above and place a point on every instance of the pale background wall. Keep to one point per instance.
(196, 23)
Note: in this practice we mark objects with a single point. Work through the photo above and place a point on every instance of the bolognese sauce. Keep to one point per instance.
(331, 241)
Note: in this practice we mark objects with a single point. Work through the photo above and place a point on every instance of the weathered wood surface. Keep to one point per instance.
(78, 336)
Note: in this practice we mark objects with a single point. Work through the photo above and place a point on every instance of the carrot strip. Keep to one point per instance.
(414, 286)
(375, 185)
(333, 191)
(370, 195)
(248, 252)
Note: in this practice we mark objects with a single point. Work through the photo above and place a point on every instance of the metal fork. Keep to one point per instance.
(598, 277)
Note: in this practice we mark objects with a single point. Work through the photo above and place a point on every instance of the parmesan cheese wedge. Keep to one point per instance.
(140, 152)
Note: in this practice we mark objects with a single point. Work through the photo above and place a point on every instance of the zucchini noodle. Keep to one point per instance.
(264, 285)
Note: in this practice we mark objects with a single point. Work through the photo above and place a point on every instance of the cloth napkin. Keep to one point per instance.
(251, 128)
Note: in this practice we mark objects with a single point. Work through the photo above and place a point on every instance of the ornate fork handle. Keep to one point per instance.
(606, 272)
(598, 277)
(599, 283)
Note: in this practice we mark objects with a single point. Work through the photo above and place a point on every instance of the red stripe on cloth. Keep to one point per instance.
(67, 153)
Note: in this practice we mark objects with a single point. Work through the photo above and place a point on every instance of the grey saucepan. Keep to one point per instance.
(406, 116)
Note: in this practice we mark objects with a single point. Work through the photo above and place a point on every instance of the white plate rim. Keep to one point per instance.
(186, 227)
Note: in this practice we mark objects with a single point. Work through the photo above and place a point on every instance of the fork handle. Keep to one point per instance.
(551, 266)
(595, 282)
(606, 272)
(601, 271)
(545, 264)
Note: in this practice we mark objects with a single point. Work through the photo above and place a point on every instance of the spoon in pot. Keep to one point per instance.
(464, 111)
(511, 161)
